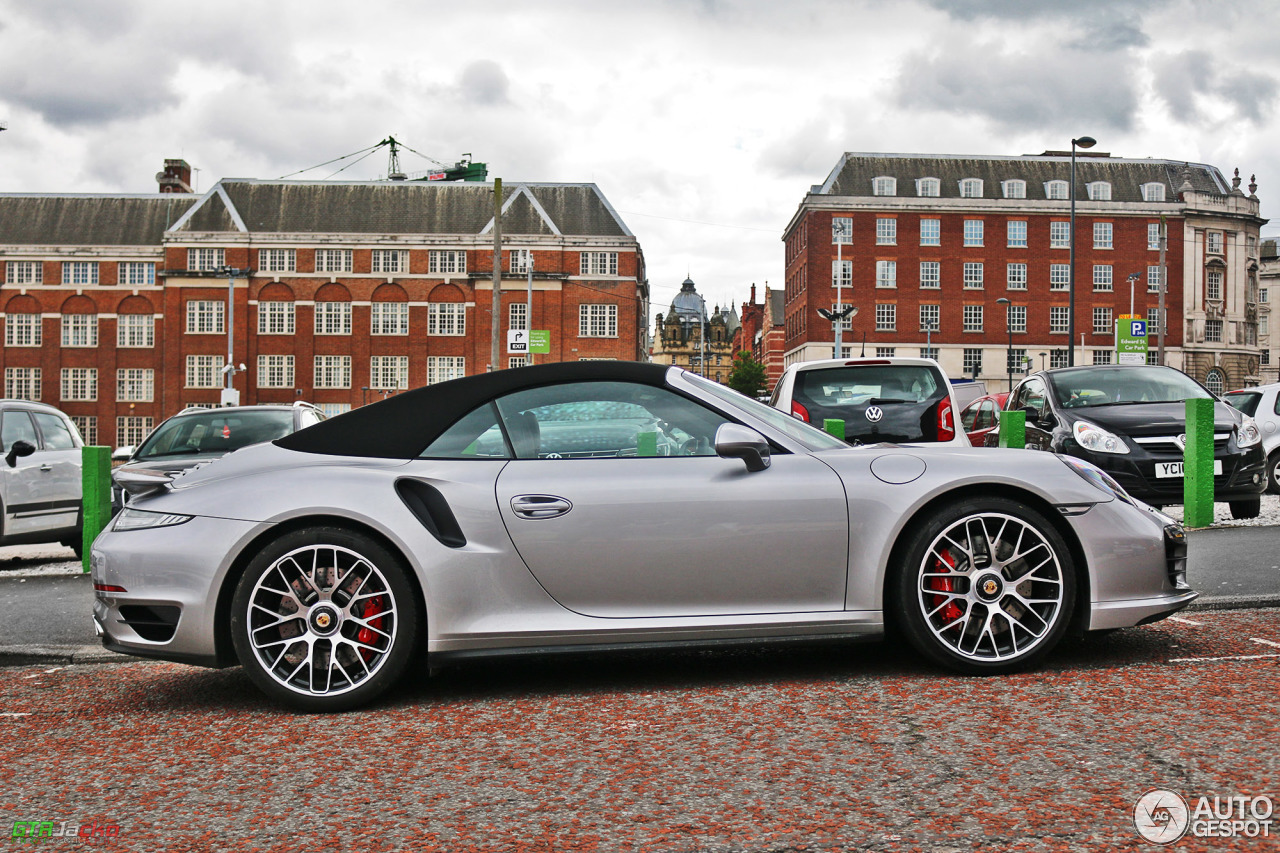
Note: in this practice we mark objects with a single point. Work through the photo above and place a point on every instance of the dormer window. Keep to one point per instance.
(884, 186)
(1055, 190)
(971, 188)
(1099, 191)
(1153, 192)
(928, 187)
(1015, 189)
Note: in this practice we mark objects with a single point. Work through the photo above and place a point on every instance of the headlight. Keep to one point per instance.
(1099, 478)
(1248, 434)
(136, 519)
(1095, 438)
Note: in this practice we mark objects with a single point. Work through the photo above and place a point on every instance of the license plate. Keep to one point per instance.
(1174, 469)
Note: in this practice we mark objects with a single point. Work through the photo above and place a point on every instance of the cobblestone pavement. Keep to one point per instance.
(835, 747)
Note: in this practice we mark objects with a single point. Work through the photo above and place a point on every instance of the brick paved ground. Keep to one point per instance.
(822, 748)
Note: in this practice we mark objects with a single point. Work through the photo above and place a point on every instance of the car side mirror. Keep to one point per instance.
(1040, 416)
(734, 441)
(21, 447)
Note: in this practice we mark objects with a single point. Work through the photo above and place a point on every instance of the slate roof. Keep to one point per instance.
(854, 173)
(409, 207)
(89, 220)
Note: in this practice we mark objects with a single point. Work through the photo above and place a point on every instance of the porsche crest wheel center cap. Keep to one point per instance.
(324, 621)
(989, 587)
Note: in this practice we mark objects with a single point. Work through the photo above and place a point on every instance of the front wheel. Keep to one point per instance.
(1248, 508)
(987, 587)
(1273, 473)
(325, 619)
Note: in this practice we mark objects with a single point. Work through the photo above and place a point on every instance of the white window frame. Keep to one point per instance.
(446, 319)
(205, 259)
(331, 371)
(1103, 321)
(974, 232)
(389, 318)
(204, 371)
(1103, 278)
(79, 384)
(886, 317)
(24, 272)
(22, 383)
(23, 330)
(518, 316)
(1101, 356)
(1155, 276)
(389, 261)
(135, 331)
(442, 368)
(276, 371)
(886, 274)
(886, 231)
(1153, 191)
(971, 188)
(1016, 233)
(136, 273)
(884, 185)
(332, 318)
(598, 320)
(841, 230)
(1017, 319)
(447, 261)
(1059, 320)
(930, 275)
(1153, 236)
(1098, 190)
(598, 263)
(133, 429)
(1014, 189)
(135, 385)
(930, 317)
(1057, 190)
(277, 318)
(1059, 276)
(87, 426)
(842, 273)
(1213, 331)
(1213, 281)
(1213, 242)
(206, 317)
(1103, 235)
(1059, 235)
(80, 273)
(928, 187)
(974, 275)
(518, 261)
(972, 358)
(277, 260)
(930, 232)
(389, 372)
(1015, 276)
(334, 260)
(973, 318)
(79, 330)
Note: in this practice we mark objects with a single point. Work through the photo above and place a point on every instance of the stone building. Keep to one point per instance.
(925, 245)
(690, 336)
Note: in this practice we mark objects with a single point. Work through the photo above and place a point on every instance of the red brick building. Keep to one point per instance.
(762, 332)
(116, 306)
(927, 244)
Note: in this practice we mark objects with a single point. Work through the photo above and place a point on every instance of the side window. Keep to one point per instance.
(583, 420)
(17, 426)
(986, 415)
(55, 432)
(970, 417)
(476, 436)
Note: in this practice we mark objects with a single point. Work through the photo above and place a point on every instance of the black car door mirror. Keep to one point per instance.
(21, 447)
(738, 442)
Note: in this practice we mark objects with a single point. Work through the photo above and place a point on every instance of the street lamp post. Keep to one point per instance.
(1042, 355)
(230, 397)
(1008, 355)
(1082, 142)
(838, 233)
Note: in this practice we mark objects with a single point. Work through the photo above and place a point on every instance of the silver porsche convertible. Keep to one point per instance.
(611, 504)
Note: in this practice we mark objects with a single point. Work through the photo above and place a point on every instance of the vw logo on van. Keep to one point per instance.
(874, 413)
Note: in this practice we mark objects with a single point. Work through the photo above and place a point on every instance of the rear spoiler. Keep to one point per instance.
(139, 482)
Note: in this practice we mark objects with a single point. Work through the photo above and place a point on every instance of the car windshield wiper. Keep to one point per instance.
(879, 400)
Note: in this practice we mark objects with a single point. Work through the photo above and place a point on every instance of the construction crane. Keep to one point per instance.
(463, 170)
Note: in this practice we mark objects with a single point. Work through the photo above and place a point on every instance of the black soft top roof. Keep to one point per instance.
(401, 427)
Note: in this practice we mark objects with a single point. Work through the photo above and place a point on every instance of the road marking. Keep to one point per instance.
(1211, 660)
(14, 714)
(1265, 643)
(1183, 621)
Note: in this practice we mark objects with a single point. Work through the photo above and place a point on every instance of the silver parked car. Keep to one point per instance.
(596, 504)
(40, 483)
(1262, 403)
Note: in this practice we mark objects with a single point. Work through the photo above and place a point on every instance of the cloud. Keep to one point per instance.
(485, 83)
(1052, 89)
(1194, 81)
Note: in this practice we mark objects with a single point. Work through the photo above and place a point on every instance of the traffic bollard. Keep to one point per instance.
(1013, 429)
(1197, 465)
(95, 481)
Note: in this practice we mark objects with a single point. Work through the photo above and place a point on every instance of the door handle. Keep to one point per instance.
(539, 506)
(46, 467)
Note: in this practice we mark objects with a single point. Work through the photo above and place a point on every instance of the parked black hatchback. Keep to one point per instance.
(1130, 421)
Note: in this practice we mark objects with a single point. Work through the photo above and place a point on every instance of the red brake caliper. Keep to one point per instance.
(372, 608)
(951, 612)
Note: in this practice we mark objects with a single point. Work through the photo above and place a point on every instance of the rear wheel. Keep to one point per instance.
(1273, 472)
(987, 587)
(1248, 508)
(325, 619)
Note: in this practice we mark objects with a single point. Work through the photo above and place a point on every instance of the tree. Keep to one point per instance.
(747, 376)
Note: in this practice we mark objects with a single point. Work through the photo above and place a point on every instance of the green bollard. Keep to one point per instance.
(96, 490)
(647, 444)
(1013, 429)
(833, 426)
(1197, 465)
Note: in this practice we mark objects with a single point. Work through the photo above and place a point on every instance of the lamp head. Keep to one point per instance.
(1002, 301)
(1084, 142)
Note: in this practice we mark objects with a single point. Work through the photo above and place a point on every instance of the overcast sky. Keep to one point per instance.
(704, 123)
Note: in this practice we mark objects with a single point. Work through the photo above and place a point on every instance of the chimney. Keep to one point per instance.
(176, 177)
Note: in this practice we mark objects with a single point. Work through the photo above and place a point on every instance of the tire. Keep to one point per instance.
(986, 587)
(1273, 473)
(325, 619)
(1247, 508)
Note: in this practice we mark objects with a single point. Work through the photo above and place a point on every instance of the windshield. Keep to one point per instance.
(1245, 401)
(215, 432)
(1124, 385)
(811, 437)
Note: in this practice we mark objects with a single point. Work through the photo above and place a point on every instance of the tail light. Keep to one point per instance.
(946, 425)
(799, 411)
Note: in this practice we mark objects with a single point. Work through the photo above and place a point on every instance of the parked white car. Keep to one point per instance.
(895, 400)
(40, 480)
(1262, 403)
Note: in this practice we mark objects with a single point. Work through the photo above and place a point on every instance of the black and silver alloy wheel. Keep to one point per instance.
(988, 587)
(324, 619)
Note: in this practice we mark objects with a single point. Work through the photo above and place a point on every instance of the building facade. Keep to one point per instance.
(927, 246)
(118, 308)
(690, 336)
(762, 332)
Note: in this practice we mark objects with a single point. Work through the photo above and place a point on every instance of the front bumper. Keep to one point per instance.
(171, 577)
(1243, 472)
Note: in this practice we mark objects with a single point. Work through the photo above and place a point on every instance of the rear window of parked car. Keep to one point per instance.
(907, 397)
(215, 432)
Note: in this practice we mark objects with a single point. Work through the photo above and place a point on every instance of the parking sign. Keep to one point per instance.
(1131, 341)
